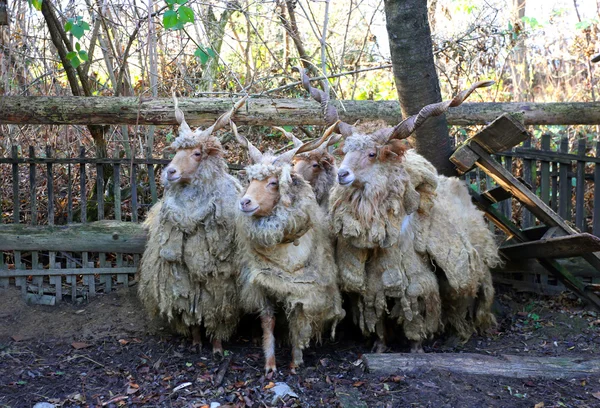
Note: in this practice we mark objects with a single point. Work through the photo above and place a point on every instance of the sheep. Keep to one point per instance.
(285, 246)
(317, 167)
(189, 269)
(407, 234)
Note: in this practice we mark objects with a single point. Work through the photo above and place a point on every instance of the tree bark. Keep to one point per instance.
(416, 78)
(71, 110)
(3, 13)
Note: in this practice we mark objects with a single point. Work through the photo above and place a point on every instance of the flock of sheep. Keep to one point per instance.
(405, 244)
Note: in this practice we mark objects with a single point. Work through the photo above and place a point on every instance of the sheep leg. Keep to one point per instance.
(267, 320)
(380, 345)
(297, 359)
(196, 338)
(217, 348)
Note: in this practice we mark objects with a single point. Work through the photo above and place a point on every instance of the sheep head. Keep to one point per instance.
(194, 147)
(366, 153)
(271, 176)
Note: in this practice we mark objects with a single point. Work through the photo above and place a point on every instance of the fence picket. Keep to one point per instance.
(596, 221)
(32, 187)
(580, 187)
(508, 166)
(69, 195)
(82, 193)
(527, 217)
(117, 190)
(100, 190)
(545, 172)
(134, 198)
(50, 187)
(564, 195)
(15, 181)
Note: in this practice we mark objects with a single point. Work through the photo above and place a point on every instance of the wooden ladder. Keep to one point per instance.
(555, 238)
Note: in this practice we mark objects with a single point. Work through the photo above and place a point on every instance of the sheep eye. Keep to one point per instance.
(197, 154)
(272, 183)
(372, 154)
(315, 166)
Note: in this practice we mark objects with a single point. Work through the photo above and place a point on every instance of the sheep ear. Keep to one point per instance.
(327, 161)
(253, 153)
(338, 152)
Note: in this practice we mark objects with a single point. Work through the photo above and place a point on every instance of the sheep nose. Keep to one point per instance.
(343, 174)
(245, 202)
(171, 171)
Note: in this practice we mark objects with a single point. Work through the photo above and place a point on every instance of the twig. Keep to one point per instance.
(86, 357)
(324, 45)
(222, 371)
(319, 78)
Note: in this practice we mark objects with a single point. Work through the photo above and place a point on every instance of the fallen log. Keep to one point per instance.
(99, 236)
(76, 110)
(477, 364)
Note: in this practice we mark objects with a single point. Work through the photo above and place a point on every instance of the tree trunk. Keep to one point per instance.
(518, 64)
(416, 78)
(3, 13)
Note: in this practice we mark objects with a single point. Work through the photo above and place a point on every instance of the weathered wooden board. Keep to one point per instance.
(559, 247)
(477, 364)
(99, 236)
(502, 134)
(267, 111)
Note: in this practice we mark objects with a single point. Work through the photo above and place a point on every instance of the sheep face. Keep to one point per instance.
(260, 197)
(311, 165)
(186, 162)
(364, 158)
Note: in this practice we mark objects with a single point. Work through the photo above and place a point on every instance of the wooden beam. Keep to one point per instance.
(99, 236)
(502, 134)
(104, 110)
(559, 247)
(504, 365)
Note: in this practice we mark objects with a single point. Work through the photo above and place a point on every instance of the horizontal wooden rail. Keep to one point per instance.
(74, 110)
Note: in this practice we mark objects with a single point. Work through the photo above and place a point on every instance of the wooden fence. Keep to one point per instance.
(47, 190)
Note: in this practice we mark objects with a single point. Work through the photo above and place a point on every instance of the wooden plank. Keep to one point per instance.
(134, 200)
(19, 272)
(508, 162)
(69, 195)
(503, 365)
(564, 194)
(497, 194)
(55, 280)
(100, 190)
(596, 221)
(117, 190)
(503, 133)
(82, 189)
(71, 270)
(545, 172)
(98, 236)
(463, 159)
(15, 181)
(580, 186)
(554, 202)
(559, 247)
(106, 278)
(527, 217)
(91, 280)
(4, 282)
(35, 265)
(50, 187)
(32, 188)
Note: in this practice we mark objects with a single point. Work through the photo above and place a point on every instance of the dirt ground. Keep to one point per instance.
(107, 353)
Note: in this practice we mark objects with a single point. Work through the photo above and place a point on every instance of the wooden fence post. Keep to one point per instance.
(564, 196)
(580, 186)
(527, 217)
(596, 221)
(15, 181)
(545, 172)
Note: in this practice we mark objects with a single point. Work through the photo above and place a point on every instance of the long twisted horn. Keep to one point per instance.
(183, 126)
(253, 153)
(320, 142)
(329, 111)
(405, 128)
(222, 121)
(297, 142)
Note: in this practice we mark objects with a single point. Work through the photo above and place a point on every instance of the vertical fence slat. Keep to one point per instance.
(37, 280)
(508, 166)
(596, 225)
(106, 278)
(69, 195)
(152, 182)
(134, 197)
(3, 267)
(121, 277)
(580, 186)
(20, 281)
(50, 187)
(15, 181)
(564, 195)
(55, 280)
(100, 190)
(32, 187)
(82, 192)
(527, 217)
(545, 172)
(117, 190)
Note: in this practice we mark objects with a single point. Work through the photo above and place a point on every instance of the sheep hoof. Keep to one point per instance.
(217, 350)
(379, 347)
(296, 242)
(417, 347)
(270, 367)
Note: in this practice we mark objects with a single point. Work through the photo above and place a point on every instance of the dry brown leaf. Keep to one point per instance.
(123, 342)
(539, 405)
(79, 345)
(358, 383)
(17, 337)
(270, 385)
(596, 395)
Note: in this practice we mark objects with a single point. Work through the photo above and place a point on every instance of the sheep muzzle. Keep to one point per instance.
(261, 197)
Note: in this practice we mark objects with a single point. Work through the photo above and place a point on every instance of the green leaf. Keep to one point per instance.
(181, 2)
(77, 31)
(75, 62)
(288, 128)
(83, 55)
(170, 19)
(582, 25)
(85, 25)
(188, 364)
(68, 25)
(71, 55)
(77, 46)
(202, 55)
(186, 14)
(37, 4)
(170, 3)
(211, 53)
